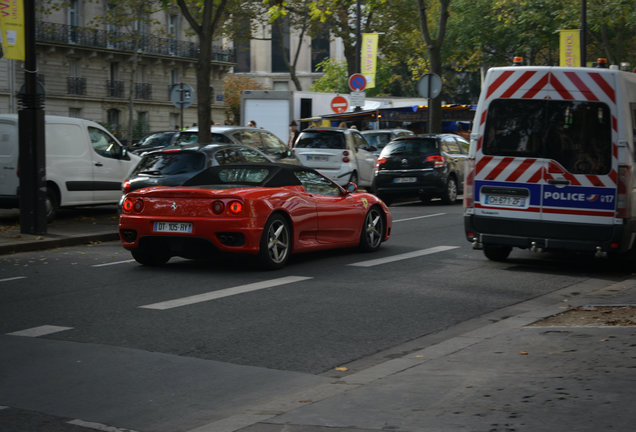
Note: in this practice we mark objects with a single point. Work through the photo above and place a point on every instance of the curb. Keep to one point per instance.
(52, 243)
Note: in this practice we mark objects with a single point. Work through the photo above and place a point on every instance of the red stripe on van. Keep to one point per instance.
(523, 167)
(560, 88)
(572, 179)
(578, 82)
(498, 82)
(482, 163)
(536, 88)
(614, 124)
(578, 212)
(483, 117)
(615, 150)
(536, 177)
(499, 168)
(517, 84)
(609, 91)
(613, 176)
(595, 180)
(479, 143)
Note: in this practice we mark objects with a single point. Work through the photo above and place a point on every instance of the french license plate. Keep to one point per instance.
(405, 180)
(175, 227)
(505, 200)
(318, 158)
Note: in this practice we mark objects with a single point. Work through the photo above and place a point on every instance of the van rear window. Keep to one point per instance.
(321, 140)
(576, 134)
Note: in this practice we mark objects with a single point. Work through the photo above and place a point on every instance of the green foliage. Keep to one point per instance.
(233, 86)
(335, 78)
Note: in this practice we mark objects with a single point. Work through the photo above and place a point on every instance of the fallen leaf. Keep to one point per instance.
(523, 353)
(305, 401)
(342, 369)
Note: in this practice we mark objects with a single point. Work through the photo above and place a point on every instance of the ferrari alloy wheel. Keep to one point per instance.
(275, 243)
(373, 230)
(149, 258)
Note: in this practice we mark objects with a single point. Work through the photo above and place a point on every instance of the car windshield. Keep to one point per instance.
(574, 133)
(321, 140)
(192, 137)
(156, 139)
(172, 163)
(410, 146)
(378, 140)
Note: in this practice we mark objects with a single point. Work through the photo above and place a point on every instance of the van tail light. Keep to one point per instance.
(379, 163)
(469, 184)
(623, 199)
(438, 161)
(125, 186)
(345, 156)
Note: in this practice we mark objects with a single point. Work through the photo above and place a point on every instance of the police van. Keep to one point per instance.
(551, 161)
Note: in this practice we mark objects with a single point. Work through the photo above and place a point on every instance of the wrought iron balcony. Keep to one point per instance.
(115, 40)
(143, 91)
(115, 89)
(76, 85)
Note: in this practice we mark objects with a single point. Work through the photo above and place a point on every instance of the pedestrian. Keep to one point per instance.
(343, 125)
(251, 123)
(293, 134)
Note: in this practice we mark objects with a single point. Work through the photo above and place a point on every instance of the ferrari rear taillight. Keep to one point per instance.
(136, 205)
(345, 156)
(218, 206)
(438, 161)
(235, 207)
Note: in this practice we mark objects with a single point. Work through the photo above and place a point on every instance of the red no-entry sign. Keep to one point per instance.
(339, 104)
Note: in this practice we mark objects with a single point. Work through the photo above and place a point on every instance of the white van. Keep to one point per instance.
(85, 164)
(551, 161)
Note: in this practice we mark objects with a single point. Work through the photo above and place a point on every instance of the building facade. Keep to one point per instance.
(95, 71)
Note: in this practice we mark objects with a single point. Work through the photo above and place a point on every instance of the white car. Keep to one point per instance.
(341, 154)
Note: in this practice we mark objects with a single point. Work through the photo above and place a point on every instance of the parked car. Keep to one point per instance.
(154, 141)
(423, 166)
(266, 210)
(84, 163)
(174, 165)
(378, 138)
(260, 139)
(341, 154)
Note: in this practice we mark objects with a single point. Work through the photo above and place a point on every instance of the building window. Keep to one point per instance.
(75, 84)
(141, 127)
(73, 21)
(319, 49)
(113, 120)
(281, 85)
(243, 49)
(280, 42)
(173, 33)
(114, 87)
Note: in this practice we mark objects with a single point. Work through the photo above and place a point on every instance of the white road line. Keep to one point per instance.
(97, 426)
(419, 217)
(374, 262)
(113, 263)
(12, 278)
(40, 331)
(213, 295)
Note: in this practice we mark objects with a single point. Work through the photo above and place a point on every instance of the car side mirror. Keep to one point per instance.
(351, 187)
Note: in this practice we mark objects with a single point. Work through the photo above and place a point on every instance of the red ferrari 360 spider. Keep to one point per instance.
(266, 210)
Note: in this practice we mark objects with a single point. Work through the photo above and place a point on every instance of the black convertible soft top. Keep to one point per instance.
(254, 174)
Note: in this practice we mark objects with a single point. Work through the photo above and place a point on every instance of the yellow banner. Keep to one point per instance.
(570, 48)
(12, 29)
(368, 57)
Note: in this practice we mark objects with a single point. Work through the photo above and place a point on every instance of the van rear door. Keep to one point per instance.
(548, 151)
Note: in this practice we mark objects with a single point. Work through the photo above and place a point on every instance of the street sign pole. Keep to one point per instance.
(181, 102)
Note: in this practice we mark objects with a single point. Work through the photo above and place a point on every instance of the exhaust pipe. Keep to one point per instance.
(477, 245)
(600, 253)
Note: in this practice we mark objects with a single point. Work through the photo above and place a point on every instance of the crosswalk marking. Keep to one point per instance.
(40, 331)
(407, 255)
(113, 263)
(12, 278)
(213, 295)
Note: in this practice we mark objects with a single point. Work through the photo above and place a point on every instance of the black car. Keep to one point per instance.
(174, 165)
(422, 166)
(154, 141)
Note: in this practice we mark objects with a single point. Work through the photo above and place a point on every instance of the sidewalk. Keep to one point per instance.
(71, 227)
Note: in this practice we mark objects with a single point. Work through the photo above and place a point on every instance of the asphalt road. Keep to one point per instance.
(136, 347)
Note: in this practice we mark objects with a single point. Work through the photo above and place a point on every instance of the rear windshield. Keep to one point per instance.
(321, 140)
(170, 163)
(192, 137)
(574, 133)
(410, 146)
(378, 140)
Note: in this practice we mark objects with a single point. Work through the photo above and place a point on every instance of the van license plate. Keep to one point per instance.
(405, 180)
(176, 227)
(505, 201)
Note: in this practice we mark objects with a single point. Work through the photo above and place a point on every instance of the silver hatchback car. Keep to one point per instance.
(260, 139)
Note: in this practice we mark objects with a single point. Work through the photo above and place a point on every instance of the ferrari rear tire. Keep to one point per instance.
(372, 230)
(276, 243)
(149, 258)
